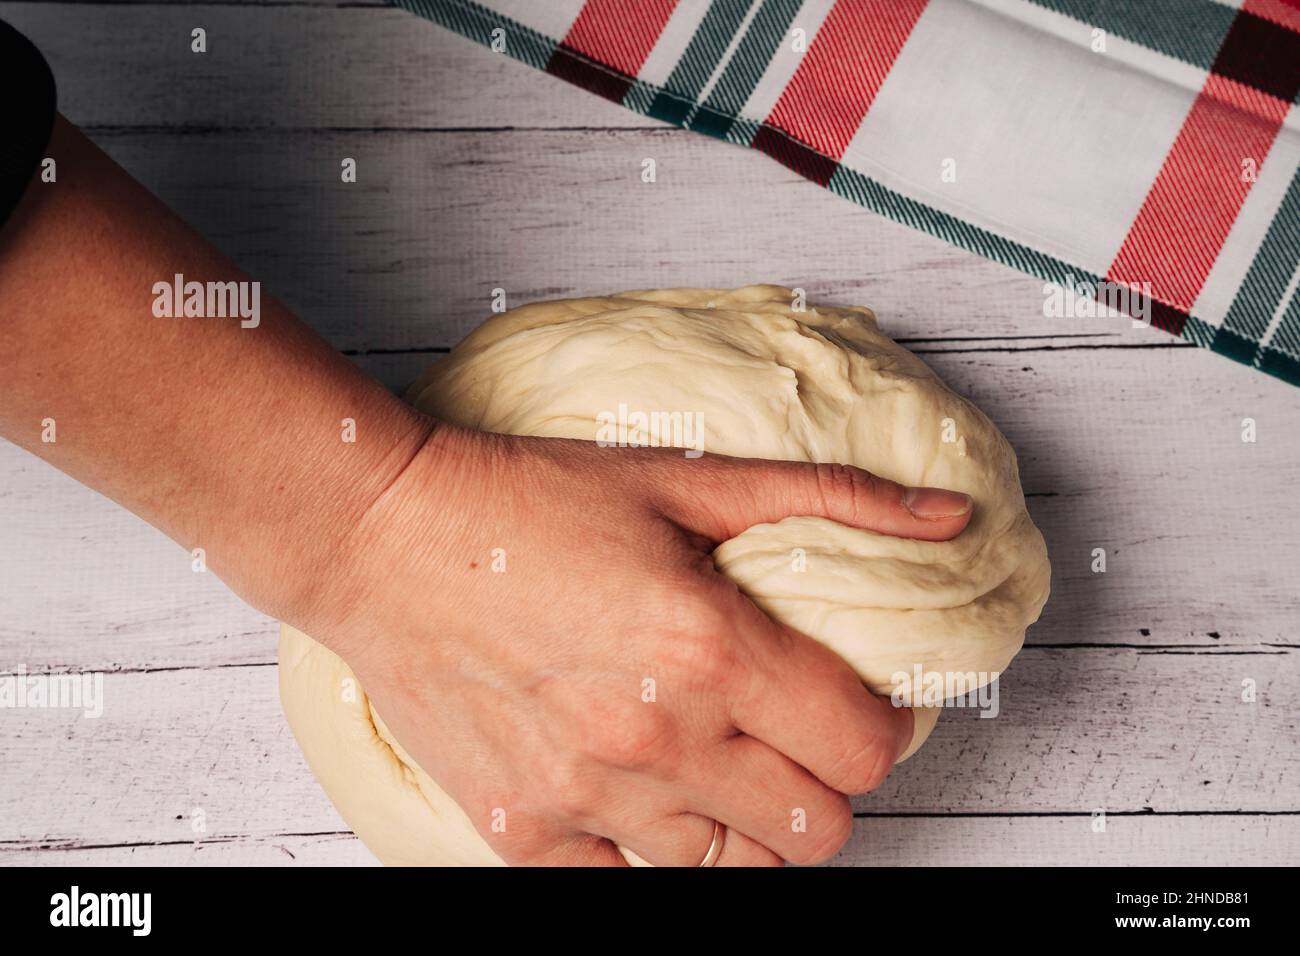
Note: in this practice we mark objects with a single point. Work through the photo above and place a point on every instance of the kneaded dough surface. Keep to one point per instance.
(766, 381)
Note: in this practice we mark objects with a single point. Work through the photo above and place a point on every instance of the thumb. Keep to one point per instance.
(727, 495)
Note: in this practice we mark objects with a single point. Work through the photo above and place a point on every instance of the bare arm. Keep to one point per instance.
(226, 438)
(231, 439)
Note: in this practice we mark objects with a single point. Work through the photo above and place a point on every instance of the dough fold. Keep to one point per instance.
(745, 374)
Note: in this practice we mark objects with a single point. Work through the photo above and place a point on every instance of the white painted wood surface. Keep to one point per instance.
(477, 172)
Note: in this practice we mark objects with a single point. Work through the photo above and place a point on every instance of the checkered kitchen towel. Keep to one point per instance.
(1120, 144)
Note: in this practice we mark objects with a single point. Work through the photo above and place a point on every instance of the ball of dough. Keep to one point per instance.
(742, 373)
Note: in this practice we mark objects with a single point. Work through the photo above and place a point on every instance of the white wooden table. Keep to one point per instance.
(476, 172)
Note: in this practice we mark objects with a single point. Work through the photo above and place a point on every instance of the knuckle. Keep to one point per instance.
(864, 768)
(637, 739)
(845, 490)
(528, 836)
(525, 848)
(570, 785)
(679, 611)
(704, 656)
(827, 836)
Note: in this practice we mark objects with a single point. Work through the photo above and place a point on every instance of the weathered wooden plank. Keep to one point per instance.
(331, 849)
(409, 255)
(87, 585)
(1117, 729)
(1070, 841)
(1140, 453)
(1145, 840)
(290, 66)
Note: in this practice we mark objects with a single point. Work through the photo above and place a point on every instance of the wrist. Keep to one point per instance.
(402, 520)
(315, 571)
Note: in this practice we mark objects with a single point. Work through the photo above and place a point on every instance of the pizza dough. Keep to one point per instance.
(754, 376)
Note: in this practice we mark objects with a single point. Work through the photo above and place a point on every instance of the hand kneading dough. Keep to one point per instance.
(818, 385)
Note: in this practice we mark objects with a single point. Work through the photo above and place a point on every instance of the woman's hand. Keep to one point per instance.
(540, 623)
(521, 690)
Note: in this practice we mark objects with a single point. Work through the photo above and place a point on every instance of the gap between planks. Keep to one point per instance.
(963, 841)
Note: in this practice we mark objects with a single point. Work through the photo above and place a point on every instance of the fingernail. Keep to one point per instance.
(932, 503)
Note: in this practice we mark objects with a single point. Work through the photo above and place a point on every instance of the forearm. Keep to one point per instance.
(227, 438)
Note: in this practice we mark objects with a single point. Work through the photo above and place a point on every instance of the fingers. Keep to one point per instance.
(581, 851)
(584, 850)
(720, 497)
(805, 701)
(684, 839)
(739, 850)
(762, 794)
(652, 828)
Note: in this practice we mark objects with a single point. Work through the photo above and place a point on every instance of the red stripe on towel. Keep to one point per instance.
(831, 91)
(619, 33)
(1194, 201)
